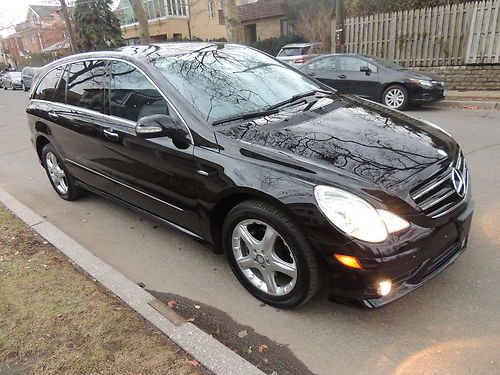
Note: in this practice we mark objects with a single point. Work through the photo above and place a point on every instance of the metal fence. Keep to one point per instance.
(456, 34)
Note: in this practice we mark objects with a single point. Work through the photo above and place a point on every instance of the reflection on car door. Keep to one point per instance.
(364, 84)
(153, 173)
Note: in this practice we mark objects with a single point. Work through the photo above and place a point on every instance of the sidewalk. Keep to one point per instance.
(471, 100)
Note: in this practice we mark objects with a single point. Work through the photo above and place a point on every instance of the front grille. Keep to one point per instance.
(438, 196)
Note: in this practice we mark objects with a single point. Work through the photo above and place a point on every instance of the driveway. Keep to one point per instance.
(449, 326)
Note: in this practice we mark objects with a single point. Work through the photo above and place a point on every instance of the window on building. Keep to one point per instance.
(45, 90)
(86, 85)
(210, 9)
(131, 95)
(222, 19)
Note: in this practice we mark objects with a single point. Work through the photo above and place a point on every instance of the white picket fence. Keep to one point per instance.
(458, 34)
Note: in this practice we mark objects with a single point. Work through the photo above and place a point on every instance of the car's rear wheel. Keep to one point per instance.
(395, 97)
(269, 255)
(60, 178)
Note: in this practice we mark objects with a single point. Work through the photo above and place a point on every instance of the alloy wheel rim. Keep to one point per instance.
(394, 98)
(56, 173)
(264, 258)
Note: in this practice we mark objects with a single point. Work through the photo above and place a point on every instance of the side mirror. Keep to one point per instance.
(155, 126)
(365, 69)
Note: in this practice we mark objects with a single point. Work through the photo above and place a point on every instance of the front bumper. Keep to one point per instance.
(420, 95)
(410, 265)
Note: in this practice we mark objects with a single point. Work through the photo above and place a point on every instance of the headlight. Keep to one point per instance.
(356, 217)
(426, 84)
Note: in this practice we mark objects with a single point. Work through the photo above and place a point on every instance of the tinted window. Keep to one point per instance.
(86, 84)
(324, 63)
(349, 63)
(131, 95)
(45, 90)
(60, 90)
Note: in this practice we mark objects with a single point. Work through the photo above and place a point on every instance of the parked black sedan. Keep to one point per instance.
(300, 186)
(376, 79)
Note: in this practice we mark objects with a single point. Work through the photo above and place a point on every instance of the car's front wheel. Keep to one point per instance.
(395, 97)
(269, 255)
(60, 178)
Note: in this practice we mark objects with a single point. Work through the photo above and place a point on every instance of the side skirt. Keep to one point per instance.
(140, 210)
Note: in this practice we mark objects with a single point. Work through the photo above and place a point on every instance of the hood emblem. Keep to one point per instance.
(459, 182)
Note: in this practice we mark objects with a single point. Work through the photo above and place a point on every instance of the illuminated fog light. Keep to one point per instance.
(384, 287)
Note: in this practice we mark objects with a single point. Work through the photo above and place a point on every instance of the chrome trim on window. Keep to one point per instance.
(122, 184)
(126, 62)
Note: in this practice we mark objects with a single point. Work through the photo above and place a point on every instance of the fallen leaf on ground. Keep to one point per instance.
(193, 362)
(172, 303)
(242, 334)
(197, 307)
(262, 348)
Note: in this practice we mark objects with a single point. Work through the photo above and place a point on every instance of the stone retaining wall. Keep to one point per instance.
(467, 77)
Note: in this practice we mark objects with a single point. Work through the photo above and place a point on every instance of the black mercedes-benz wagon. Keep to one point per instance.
(299, 186)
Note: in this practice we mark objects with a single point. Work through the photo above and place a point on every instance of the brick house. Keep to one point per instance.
(42, 28)
(263, 19)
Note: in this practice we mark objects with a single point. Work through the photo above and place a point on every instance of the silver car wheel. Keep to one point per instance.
(56, 173)
(394, 98)
(264, 257)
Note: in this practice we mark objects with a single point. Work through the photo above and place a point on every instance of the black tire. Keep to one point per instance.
(308, 280)
(73, 191)
(395, 89)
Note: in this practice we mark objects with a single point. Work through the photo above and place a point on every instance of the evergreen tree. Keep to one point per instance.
(96, 26)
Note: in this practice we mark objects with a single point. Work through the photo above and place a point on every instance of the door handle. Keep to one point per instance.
(53, 115)
(342, 76)
(312, 74)
(110, 134)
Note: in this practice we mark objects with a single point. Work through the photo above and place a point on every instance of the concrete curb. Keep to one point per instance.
(204, 348)
(461, 103)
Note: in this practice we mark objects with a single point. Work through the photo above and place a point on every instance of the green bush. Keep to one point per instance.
(273, 45)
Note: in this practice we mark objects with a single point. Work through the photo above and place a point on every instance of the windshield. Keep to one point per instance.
(232, 80)
(293, 51)
(15, 75)
(387, 63)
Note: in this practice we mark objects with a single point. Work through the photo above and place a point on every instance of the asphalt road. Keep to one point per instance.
(449, 326)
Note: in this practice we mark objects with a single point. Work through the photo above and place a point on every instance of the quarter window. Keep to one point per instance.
(86, 84)
(45, 90)
(131, 95)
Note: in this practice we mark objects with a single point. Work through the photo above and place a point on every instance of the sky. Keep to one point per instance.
(15, 11)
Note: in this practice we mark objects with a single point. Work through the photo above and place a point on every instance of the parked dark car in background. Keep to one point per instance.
(300, 186)
(376, 79)
(12, 80)
(27, 75)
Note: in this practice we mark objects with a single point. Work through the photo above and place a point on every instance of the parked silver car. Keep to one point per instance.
(12, 80)
(298, 53)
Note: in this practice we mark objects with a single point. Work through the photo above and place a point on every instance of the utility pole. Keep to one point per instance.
(69, 27)
(340, 46)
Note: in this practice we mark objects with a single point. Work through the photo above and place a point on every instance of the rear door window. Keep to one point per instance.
(132, 96)
(45, 89)
(323, 63)
(85, 86)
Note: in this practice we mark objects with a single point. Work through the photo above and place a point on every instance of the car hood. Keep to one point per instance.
(353, 137)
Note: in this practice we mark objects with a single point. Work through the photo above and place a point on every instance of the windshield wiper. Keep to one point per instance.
(298, 97)
(245, 116)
